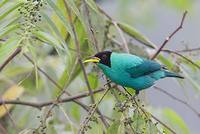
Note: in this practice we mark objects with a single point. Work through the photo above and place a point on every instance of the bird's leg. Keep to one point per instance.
(137, 92)
(127, 91)
(107, 83)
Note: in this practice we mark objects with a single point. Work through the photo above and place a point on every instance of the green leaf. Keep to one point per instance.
(135, 34)
(75, 111)
(151, 128)
(166, 62)
(179, 4)
(12, 93)
(113, 129)
(93, 80)
(74, 8)
(9, 10)
(9, 22)
(175, 121)
(3, 3)
(92, 5)
(192, 81)
(7, 48)
(8, 29)
(61, 16)
(46, 37)
(54, 29)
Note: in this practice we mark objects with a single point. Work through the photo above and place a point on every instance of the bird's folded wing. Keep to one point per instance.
(144, 68)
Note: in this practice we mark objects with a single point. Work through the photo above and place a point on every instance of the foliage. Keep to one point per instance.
(48, 69)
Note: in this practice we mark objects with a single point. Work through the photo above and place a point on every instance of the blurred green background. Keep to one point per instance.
(45, 35)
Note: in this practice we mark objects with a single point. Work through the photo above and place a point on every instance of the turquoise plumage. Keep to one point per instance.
(131, 71)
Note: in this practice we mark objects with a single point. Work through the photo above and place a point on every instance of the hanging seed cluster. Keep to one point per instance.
(30, 15)
(139, 121)
(42, 127)
(91, 118)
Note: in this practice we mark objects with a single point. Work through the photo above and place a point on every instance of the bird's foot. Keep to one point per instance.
(136, 92)
(108, 82)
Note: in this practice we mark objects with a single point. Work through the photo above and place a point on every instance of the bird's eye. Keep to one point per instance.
(104, 56)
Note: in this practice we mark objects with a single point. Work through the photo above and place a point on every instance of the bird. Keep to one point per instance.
(130, 70)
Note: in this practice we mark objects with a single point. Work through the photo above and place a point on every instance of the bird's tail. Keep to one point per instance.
(172, 74)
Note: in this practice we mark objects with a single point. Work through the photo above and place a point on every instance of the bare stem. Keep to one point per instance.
(91, 113)
(76, 41)
(177, 99)
(11, 57)
(170, 36)
(182, 56)
(44, 104)
(91, 29)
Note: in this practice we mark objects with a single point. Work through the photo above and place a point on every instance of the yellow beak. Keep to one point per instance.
(93, 59)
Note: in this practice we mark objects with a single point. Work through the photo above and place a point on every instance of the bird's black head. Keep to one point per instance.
(104, 57)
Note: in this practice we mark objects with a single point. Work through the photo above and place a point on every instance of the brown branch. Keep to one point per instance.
(188, 50)
(117, 26)
(177, 99)
(11, 57)
(77, 44)
(58, 86)
(170, 36)
(155, 118)
(91, 113)
(44, 104)
(145, 112)
(54, 82)
(9, 115)
(163, 124)
(3, 129)
(111, 21)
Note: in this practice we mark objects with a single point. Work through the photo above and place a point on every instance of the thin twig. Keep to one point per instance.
(53, 81)
(58, 86)
(91, 29)
(188, 50)
(111, 21)
(177, 99)
(91, 113)
(11, 57)
(155, 118)
(76, 41)
(77, 44)
(145, 113)
(9, 115)
(122, 36)
(44, 104)
(117, 27)
(3, 129)
(180, 55)
(170, 36)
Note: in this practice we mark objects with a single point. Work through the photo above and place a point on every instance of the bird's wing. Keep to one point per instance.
(144, 68)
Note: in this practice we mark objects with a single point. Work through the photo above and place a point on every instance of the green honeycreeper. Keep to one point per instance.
(130, 70)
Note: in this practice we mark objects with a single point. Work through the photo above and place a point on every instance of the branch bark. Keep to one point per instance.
(77, 44)
(170, 36)
(177, 99)
(10, 58)
(44, 104)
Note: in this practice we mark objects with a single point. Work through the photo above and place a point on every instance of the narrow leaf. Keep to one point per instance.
(176, 121)
(11, 94)
(7, 48)
(8, 29)
(61, 16)
(113, 129)
(136, 34)
(11, 9)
